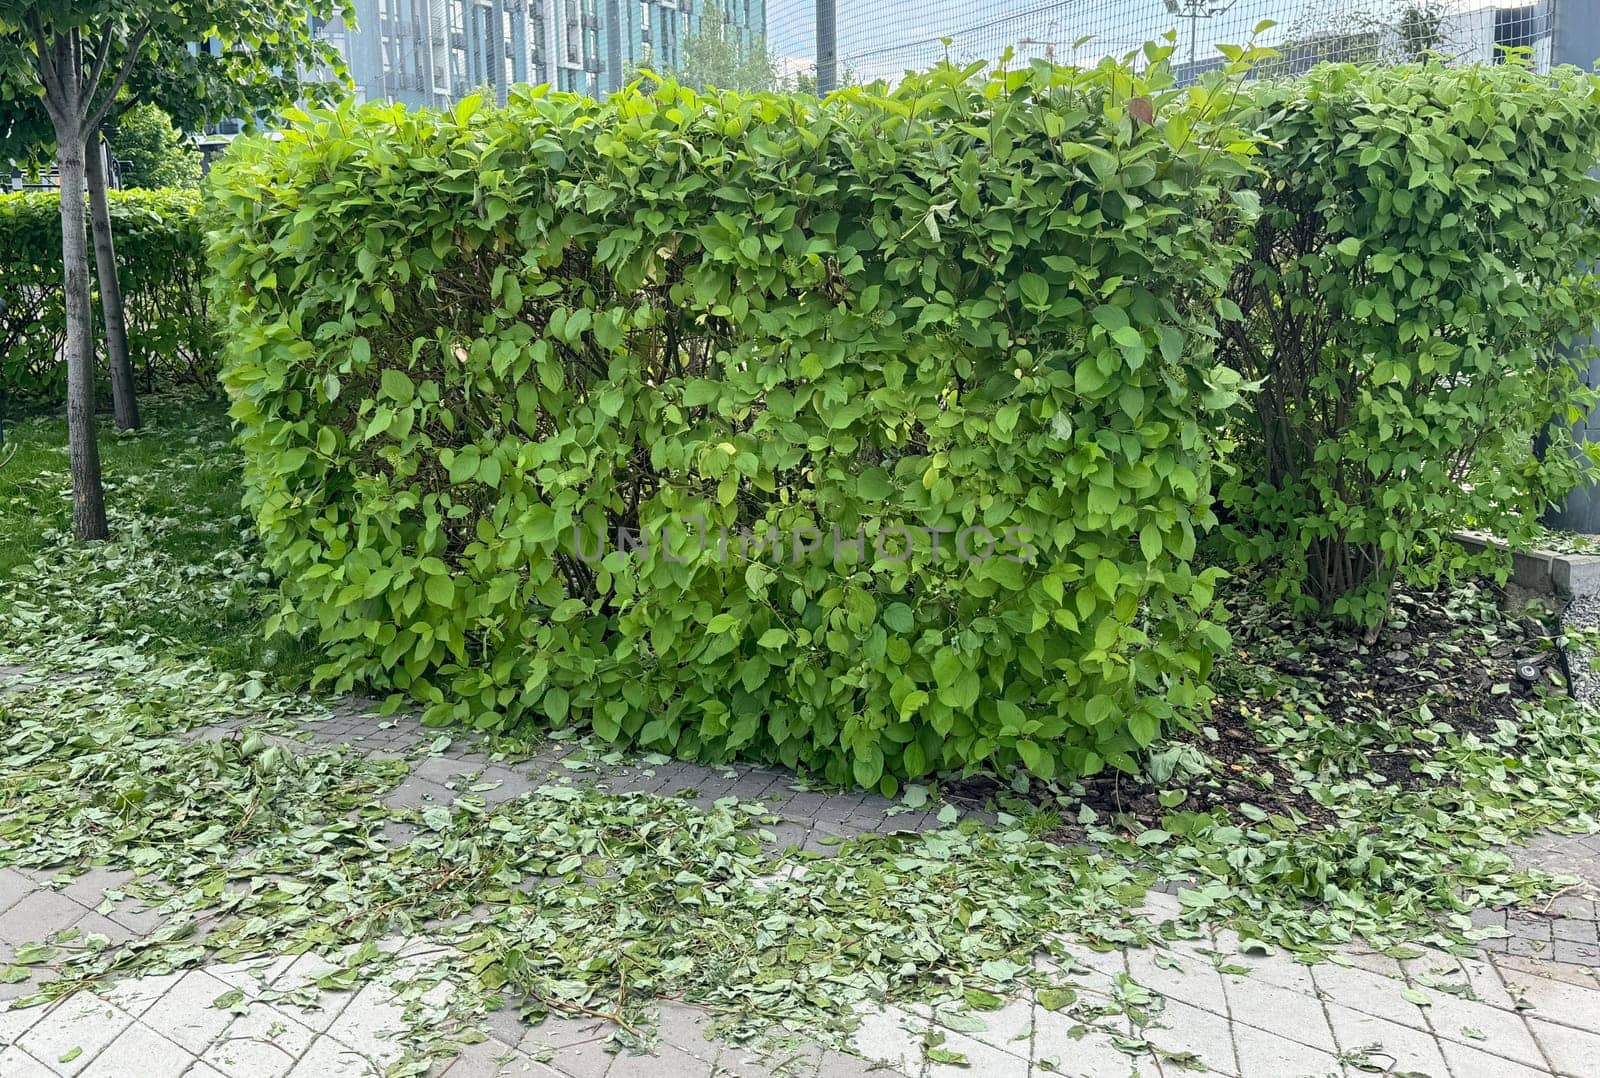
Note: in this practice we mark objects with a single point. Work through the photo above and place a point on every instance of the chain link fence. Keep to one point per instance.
(881, 39)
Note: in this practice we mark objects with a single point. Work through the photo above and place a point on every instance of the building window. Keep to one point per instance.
(573, 24)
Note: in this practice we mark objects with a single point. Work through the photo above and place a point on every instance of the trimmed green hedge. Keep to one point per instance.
(1414, 277)
(161, 259)
(463, 348)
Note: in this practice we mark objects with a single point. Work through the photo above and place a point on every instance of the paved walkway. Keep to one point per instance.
(1525, 1005)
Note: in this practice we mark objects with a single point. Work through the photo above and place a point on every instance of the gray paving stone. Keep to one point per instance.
(1284, 1013)
(84, 1024)
(1574, 908)
(1182, 1029)
(1369, 993)
(1389, 1045)
(13, 886)
(1485, 918)
(575, 1049)
(838, 809)
(798, 804)
(1267, 1055)
(786, 835)
(1563, 1002)
(1467, 1062)
(136, 917)
(513, 784)
(1570, 1051)
(688, 1029)
(843, 1065)
(1528, 926)
(1190, 980)
(37, 915)
(417, 792)
(506, 1026)
(770, 1061)
(1532, 948)
(36, 979)
(981, 1058)
(99, 925)
(1577, 954)
(1482, 1028)
(140, 1051)
(492, 1059)
(184, 1013)
(1518, 972)
(1573, 930)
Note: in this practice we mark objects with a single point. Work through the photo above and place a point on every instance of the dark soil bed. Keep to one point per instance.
(1445, 659)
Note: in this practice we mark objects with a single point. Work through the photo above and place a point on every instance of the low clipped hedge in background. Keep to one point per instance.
(466, 349)
(1415, 285)
(161, 258)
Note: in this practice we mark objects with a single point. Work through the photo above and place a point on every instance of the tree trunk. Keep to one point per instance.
(124, 404)
(88, 494)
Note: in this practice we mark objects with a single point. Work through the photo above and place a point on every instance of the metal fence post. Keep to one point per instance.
(827, 47)
(1575, 40)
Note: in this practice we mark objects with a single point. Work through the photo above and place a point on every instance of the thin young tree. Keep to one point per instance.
(29, 139)
(78, 92)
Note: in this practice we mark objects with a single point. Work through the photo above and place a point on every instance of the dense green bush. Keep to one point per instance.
(460, 346)
(1414, 274)
(161, 255)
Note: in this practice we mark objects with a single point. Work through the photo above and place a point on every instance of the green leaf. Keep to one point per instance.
(1056, 999)
(981, 1000)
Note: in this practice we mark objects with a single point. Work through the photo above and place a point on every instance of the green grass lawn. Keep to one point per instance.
(182, 569)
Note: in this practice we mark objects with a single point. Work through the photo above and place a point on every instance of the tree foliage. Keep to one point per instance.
(719, 53)
(156, 153)
(464, 349)
(716, 53)
(1417, 273)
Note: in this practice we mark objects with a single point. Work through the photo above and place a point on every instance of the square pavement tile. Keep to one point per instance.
(1091, 1055)
(14, 886)
(1179, 975)
(37, 915)
(894, 1037)
(261, 1042)
(1369, 993)
(493, 1060)
(1288, 1013)
(1387, 1045)
(1482, 1028)
(981, 1058)
(1266, 1055)
(140, 1051)
(1468, 1062)
(327, 1058)
(1180, 1030)
(576, 1056)
(15, 1063)
(81, 1027)
(15, 1021)
(370, 1024)
(185, 1013)
(1571, 1051)
(1562, 1002)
